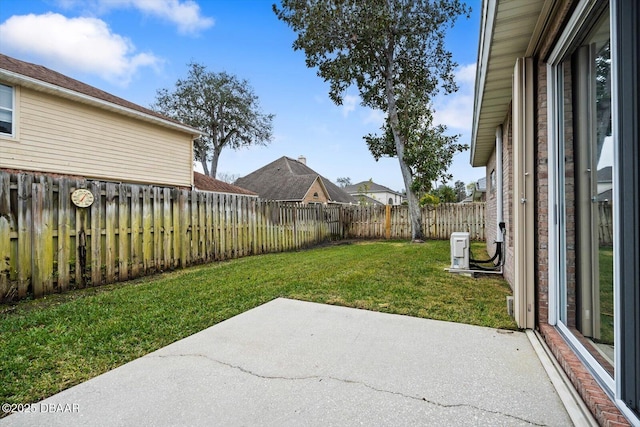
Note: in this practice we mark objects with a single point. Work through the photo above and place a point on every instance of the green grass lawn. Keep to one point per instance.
(606, 295)
(56, 342)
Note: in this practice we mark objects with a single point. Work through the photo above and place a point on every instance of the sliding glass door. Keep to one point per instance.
(594, 90)
(587, 201)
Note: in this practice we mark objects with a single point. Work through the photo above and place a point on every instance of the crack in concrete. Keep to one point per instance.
(347, 381)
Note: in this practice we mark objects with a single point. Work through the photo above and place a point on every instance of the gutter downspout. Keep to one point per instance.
(499, 202)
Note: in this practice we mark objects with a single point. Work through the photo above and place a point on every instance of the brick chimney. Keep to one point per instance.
(303, 160)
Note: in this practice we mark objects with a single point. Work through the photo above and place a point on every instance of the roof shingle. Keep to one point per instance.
(206, 183)
(368, 187)
(289, 179)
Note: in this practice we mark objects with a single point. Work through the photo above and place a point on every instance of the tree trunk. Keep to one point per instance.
(214, 161)
(205, 167)
(412, 199)
(200, 154)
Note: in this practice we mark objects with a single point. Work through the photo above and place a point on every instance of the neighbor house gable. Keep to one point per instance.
(317, 192)
(381, 194)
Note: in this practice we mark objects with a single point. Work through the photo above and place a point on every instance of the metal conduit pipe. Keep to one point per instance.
(499, 169)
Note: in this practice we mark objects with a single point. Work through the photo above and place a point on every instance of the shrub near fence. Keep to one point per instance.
(47, 244)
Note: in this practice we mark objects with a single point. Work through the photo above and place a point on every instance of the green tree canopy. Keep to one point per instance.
(222, 106)
(393, 51)
(461, 190)
(445, 194)
(344, 181)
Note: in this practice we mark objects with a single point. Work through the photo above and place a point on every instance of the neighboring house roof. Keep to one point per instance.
(368, 187)
(363, 199)
(479, 190)
(605, 174)
(605, 196)
(206, 183)
(468, 199)
(289, 179)
(505, 34)
(43, 79)
(481, 185)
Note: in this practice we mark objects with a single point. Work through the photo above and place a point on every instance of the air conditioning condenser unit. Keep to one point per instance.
(460, 251)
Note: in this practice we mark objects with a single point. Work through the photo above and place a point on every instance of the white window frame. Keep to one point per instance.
(15, 93)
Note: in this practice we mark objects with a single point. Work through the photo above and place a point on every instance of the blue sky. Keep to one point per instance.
(131, 48)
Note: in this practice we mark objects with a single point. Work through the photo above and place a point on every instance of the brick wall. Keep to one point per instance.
(599, 404)
(491, 228)
(490, 211)
(507, 197)
(542, 199)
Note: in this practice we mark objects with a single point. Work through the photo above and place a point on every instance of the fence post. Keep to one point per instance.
(387, 221)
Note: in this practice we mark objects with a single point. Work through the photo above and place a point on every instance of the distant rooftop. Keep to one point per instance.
(368, 187)
(289, 179)
(206, 183)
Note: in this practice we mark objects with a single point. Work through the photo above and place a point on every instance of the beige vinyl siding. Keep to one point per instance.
(61, 136)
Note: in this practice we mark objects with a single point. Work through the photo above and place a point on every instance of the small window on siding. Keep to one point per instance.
(390, 201)
(6, 109)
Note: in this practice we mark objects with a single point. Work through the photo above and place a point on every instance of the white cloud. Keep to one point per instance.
(376, 117)
(349, 103)
(83, 44)
(186, 15)
(466, 75)
(456, 110)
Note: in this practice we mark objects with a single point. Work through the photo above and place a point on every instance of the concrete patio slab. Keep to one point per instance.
(292, 363)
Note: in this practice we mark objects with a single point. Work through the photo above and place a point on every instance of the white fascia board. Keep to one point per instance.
(484, 48)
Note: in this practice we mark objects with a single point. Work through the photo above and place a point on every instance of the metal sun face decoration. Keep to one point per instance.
(82, 198)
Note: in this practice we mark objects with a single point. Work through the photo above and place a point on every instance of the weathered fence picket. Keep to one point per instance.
(47, 244)
(605, 223)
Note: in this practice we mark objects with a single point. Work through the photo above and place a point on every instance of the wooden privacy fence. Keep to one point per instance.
(47, 244)
(393, 222)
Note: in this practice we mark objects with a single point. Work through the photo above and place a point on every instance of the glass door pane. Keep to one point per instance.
(587, 198)
(603, 203)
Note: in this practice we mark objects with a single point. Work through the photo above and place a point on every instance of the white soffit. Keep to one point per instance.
(506, 30)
